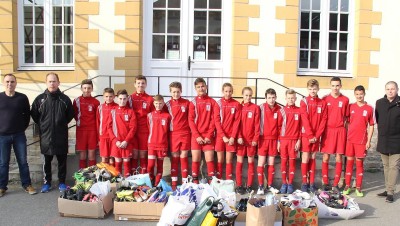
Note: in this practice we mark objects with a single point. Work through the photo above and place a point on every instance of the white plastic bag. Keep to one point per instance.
(325, 211)
(229, 197)
(101, 189)
(177, 211)
(140, 179)
(222, 185)
(204, 191)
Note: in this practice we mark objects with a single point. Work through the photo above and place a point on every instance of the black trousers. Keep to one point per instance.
(62, 168)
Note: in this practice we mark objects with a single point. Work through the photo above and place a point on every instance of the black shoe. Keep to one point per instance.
(240, 190)
(249, 189)
(389, 198)
(325, 187)
(382, 194)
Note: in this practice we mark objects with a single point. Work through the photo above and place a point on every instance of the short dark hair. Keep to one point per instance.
(86, 82)
(122, 92)
(270, 91)
(359, 88)
(175, 85)
(108, 90)
(11, 75)
(140, 77)
(336, 79)
(53, 73)
(199, 80)
(313, 82)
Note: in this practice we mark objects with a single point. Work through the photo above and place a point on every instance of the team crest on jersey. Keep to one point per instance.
(275, 115)
(163, 122)
(365, 113)
(340, 104)
(249, 114)
(183, 109)
(90, 107)
(126, 117)
(296, 117)
(319, 110)
(144, 105)
(208, 107)
(232, 110)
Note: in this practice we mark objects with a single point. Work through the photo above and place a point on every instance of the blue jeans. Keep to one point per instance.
(18, 142)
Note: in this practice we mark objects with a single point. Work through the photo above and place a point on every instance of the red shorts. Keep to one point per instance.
(124, 153)
(140, 141)
(267, 147)
(179, 142)
(246, 150)
(287, 149)
(202, 147)
(86, 140)
(306, 146)
(355, 150)
(105, 147)
(158, 152)
(220, 146)
(334, 141)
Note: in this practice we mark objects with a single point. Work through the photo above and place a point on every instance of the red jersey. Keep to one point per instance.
(85, 113)
(122, 125)
(317, 115)
(270, 121)
(291, 126)
(158, 123)
(202, 113)
(229, 111)
(249, 123)
(338, 110)
(142, 104)
(103, 113)
(179, 111)
(361, 117)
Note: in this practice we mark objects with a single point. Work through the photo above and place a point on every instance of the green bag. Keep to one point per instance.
(200, 212)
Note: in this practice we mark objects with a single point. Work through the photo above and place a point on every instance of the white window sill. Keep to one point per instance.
(342, 74)
(46, 68)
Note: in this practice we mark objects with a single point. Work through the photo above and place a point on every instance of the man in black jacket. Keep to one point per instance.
(387, 113)
(52, 111)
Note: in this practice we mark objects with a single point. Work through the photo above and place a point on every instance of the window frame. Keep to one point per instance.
(48, 40)
(324, 44)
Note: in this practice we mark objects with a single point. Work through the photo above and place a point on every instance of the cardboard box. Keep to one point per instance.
(241, 218)
(325, 211)
(72, 208)
(303, 217)
(138, 211)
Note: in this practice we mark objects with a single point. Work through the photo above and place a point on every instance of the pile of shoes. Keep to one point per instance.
(99, 172)
(298, 199)
(336, 200)
(131, 192)
(80, 192)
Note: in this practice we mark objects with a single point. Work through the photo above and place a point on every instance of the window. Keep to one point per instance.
(325, 37)
(46, 34)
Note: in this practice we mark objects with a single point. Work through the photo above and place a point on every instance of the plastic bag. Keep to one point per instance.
(229, 197)
(204, 191)
(164, 185)
(101, 189)
(200, 213)
(177, 211)
(222, 185)
(209, 220)
(140, 179)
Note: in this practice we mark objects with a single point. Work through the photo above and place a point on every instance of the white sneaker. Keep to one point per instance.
(260, 190)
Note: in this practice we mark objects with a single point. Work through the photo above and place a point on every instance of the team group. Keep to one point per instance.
(137, 132)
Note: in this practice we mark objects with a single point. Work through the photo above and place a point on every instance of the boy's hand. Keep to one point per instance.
(240, 141)
(225, 139)
(367, 145)
(297, 146)
(278, 146)
(118, 143)
(312, 140)
(207, 141)
(123, 144)
(253, 143)
(231, 141)
(200, 140)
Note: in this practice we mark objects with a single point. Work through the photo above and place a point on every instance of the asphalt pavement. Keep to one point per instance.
(19, 208)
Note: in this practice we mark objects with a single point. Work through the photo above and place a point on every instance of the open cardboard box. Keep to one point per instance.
(73, 208)
(138, 211)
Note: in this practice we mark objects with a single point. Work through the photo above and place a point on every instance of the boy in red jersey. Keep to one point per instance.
(122, 127)
(249, 133)
(290, 138)
(333, 140)
(142, 104)
(359, 134)
(102, 116)
(270, 126)
(178, 108)
(202, 113)
(227, 130)
(158, 122)
(85, 108)
(315, 123)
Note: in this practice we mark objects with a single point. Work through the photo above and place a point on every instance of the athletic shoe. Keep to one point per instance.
(313, 188)
(249, 189)
(273, 190)
(304, 187)
(389, 198)
(359, 193)
(290, 189)
(347, 190)
(283, 189)
(30, 190)
(240, 190)
(260, 190)
(382, 194)
(2, 192)
(62, 187)
(45, 188)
